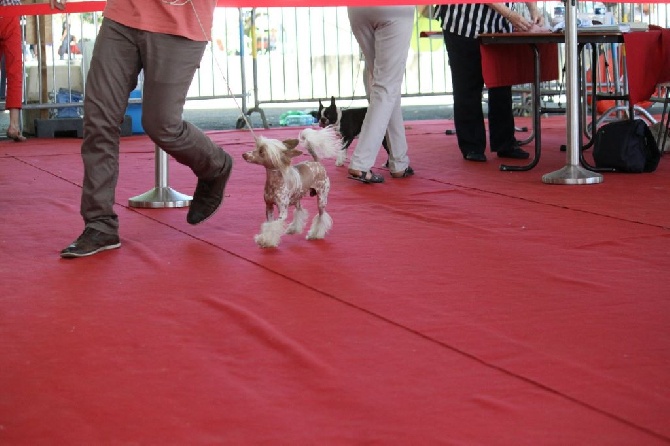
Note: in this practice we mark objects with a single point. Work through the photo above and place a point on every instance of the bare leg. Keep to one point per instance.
(14, 129)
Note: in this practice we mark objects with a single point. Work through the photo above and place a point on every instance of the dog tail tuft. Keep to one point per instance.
(321, 143)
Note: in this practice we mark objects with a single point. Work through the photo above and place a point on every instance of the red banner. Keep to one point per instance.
(91, 6)
(45, 8)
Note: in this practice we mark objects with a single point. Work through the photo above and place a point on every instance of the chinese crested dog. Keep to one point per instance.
(286, 184)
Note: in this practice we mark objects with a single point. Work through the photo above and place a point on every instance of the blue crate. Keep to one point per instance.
(65, 96)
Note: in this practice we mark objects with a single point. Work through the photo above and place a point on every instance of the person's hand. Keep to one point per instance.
(519, 22)
(536, 17)
(57, 4)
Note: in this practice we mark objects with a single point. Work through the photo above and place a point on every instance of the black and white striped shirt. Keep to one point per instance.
(470, 20)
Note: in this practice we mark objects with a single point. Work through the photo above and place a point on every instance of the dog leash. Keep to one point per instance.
(216, 59)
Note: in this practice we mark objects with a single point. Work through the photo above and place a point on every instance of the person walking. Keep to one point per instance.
(166, 39)
(461, 26)
(63, 49)
(383, 34)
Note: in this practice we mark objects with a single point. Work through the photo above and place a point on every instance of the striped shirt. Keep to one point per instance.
(10, 2)
(471, 20)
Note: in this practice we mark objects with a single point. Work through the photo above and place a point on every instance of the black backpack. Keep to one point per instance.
(626, 146)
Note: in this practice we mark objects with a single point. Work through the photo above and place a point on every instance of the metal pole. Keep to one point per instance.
(243, 71)
(161, 196)
(572, 172)
(254, 71)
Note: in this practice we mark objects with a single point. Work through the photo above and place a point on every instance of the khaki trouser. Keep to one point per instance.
(383, 33)
(169, 63)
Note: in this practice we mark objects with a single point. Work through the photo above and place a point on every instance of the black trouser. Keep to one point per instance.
(468, 83)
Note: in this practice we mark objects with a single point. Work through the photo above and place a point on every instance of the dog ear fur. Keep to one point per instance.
(290, 143)
(292, 153)
(332, 101)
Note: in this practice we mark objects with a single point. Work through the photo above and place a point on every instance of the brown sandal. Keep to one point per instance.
(365, 177)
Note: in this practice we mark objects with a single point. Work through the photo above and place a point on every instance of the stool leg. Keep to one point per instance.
(665, 123)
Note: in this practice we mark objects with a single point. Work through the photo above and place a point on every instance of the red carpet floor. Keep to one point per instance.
(462, 306)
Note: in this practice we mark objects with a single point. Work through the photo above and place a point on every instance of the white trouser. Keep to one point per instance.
(383, 33)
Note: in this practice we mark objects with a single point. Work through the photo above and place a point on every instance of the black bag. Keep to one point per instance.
(626, 146)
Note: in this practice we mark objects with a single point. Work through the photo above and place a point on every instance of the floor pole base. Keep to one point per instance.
(160, 197)
(571, 174)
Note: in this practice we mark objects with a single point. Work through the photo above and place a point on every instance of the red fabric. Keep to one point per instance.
(644, 62)
(665, 45)
(45, 8)
(605, 80)
(510, 64)
(90, 6)
(11, 46)
(463, 305)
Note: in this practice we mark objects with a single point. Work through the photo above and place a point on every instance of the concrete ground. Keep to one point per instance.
(226, 114)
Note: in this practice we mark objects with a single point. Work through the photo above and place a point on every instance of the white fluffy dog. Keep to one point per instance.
(287, 184)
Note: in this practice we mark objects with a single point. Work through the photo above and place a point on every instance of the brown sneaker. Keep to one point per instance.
(90, 242)
(208, 194)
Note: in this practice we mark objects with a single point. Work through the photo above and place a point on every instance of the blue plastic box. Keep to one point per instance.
(65, 96)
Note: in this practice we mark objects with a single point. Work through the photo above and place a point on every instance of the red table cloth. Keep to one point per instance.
(513, 64)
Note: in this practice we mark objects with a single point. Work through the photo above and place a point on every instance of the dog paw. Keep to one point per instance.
(341, 158)
(264, 242)
(270, 235)
(321, 224)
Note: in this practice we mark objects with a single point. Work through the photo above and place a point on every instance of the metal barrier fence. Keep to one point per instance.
(266, 55)
(56, 57)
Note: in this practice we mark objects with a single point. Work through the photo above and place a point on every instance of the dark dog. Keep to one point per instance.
(347, 122)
